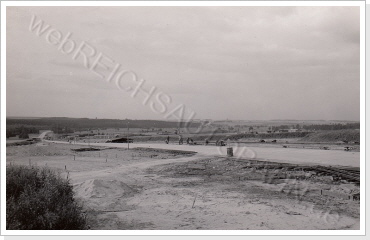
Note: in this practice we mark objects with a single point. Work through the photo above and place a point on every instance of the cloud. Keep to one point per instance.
(266, 62)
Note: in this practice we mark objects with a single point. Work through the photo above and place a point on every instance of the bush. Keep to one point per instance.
(39, 199)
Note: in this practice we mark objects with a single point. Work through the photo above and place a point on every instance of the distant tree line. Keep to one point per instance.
(311, 127)
(336, 126)
(61, 129)
(21, 131)
(68, 125)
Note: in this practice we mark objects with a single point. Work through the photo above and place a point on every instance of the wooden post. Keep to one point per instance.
(194, 201)
(128, 143)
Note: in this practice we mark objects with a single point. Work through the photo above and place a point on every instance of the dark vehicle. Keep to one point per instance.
(262, 141)
(120, 140)
(220, 143)
(349, 148)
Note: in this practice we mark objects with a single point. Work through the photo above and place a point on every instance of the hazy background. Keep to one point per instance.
(221, 62)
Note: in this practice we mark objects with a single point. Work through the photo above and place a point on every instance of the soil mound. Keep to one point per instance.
(98, 188)
(85, 149)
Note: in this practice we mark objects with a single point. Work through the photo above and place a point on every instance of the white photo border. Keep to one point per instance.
(360, 232)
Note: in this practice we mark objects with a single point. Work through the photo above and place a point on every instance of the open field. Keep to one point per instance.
(154, 188)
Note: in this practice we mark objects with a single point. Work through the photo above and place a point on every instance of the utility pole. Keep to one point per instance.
(128, 142)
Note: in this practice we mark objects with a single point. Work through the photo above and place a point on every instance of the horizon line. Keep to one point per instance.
(185, 120)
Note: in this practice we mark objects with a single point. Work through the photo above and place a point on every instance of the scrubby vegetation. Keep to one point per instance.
(39, 199)
(333, 136)
(268, 135)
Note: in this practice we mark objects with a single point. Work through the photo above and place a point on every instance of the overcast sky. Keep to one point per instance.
(220, 62)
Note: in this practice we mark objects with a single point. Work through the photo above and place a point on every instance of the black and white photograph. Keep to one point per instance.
(191, 117)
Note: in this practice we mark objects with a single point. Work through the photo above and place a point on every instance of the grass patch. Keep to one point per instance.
(39, 199)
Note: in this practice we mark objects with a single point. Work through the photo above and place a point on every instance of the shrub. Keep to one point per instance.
(39, 199)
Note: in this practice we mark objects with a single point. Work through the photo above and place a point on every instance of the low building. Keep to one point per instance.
(288, 130)
(283, 130)
(293, 130)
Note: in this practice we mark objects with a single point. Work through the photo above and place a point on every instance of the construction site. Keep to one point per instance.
(230, 115)
(246, 185)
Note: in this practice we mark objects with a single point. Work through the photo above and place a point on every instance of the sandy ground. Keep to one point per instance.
(265, 152)
(285, 155)
(156, 189)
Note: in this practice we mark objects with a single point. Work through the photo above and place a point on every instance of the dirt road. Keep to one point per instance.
(276, 154)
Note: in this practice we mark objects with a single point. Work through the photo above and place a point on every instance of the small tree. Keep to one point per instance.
(24, 133)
